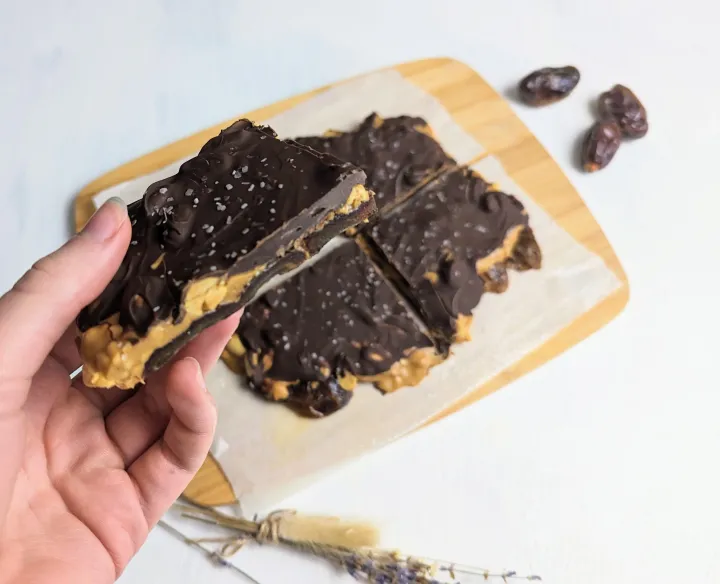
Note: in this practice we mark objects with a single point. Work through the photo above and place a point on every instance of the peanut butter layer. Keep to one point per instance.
(408, 371)
(116, 357)
(248, 206)
(309, 341)
(397, 154)
(450, 242)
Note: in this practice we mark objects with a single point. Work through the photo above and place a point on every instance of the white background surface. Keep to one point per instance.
(600, 466)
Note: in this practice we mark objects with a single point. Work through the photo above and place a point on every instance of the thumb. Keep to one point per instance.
(46, 300)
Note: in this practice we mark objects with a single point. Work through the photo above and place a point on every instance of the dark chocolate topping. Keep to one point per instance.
(317, 398)
(336, 317)
(235, 206)
(397, 154)
(433, 241)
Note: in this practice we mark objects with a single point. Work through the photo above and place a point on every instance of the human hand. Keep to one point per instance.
(86, 473)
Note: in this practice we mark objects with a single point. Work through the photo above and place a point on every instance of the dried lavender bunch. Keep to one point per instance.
(367, 564)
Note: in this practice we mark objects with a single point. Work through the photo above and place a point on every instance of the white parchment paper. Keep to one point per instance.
(267, 451)
(272, 452)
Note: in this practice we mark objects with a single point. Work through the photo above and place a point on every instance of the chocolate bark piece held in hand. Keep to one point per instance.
(247, 207)
(600, 145)
(309, 341)
(397, 154)
(548, 85)
(623, 106)
(449, 243)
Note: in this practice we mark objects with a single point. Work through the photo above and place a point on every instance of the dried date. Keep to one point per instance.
(548, 85)
(623, 106)
(600, 145)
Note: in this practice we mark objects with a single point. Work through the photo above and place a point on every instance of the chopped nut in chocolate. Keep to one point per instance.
(623, 106)
(397, 154)
(309, 341)
(451, 241)
(600, 145)
(248, 206)
(548, 85)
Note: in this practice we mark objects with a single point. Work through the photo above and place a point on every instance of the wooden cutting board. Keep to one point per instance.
(483, 113)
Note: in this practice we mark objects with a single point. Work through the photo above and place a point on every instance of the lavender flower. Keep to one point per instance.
(388, 568)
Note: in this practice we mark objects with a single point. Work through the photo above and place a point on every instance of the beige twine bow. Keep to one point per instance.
(265, 531)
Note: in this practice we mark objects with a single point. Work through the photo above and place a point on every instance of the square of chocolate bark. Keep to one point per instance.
(450, 242)
(397, 154)
(308, 341)
(246, 208)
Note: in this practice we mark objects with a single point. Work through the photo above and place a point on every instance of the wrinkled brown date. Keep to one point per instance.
(548, 85)
(623, 106)
(600, 145)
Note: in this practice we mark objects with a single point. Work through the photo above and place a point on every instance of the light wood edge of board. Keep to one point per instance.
(482, 112)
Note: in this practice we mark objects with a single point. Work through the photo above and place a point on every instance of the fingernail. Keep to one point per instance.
(198, 372)
(107, 220)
